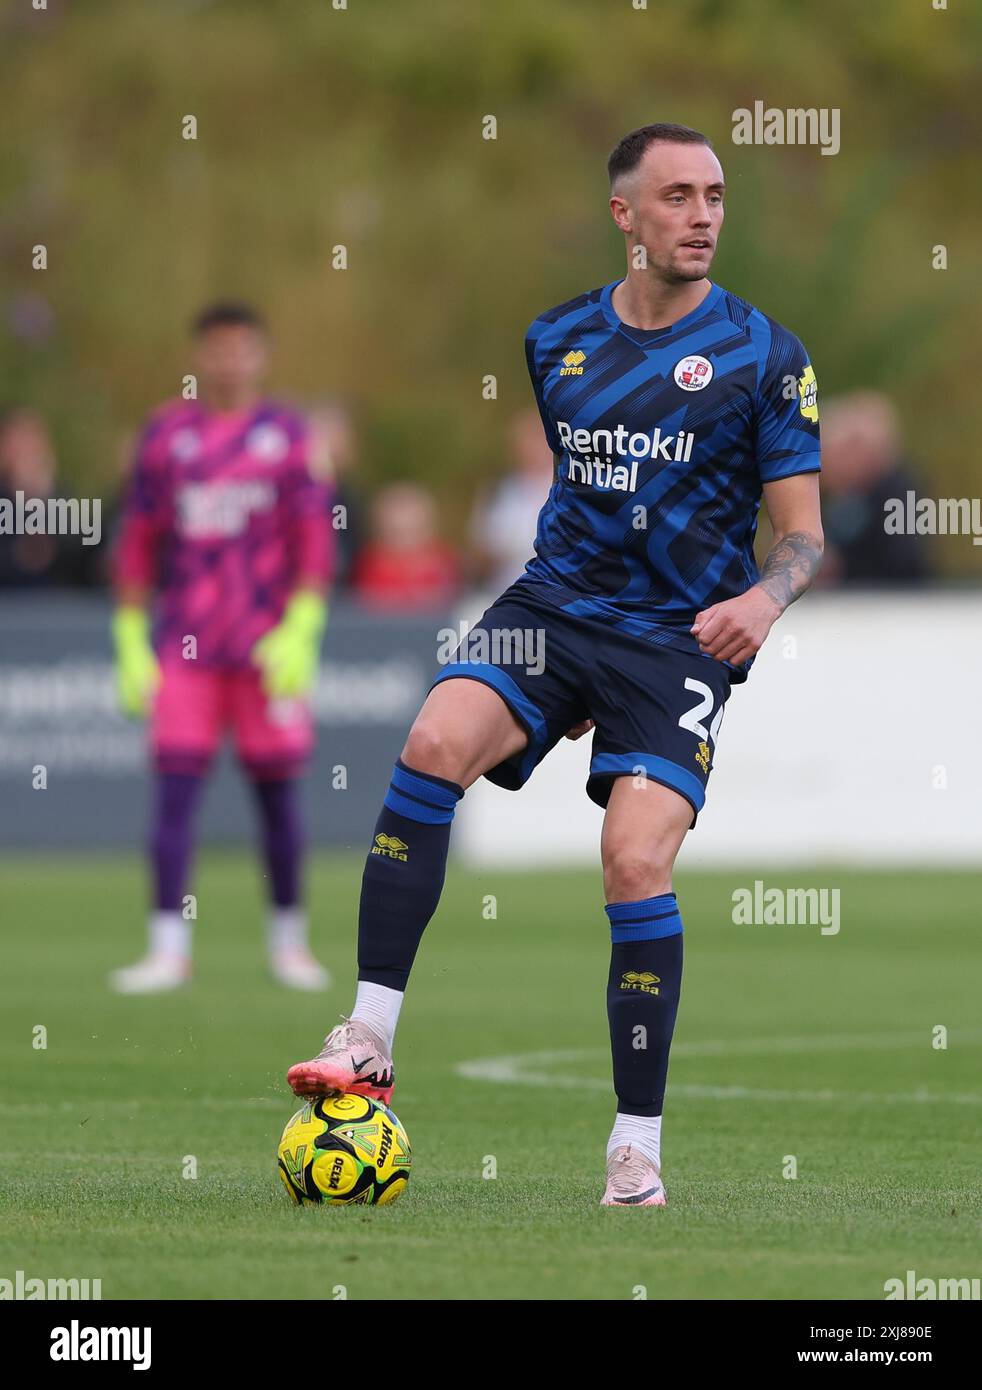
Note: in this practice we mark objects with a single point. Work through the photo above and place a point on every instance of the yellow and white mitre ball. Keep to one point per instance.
(344, 1149)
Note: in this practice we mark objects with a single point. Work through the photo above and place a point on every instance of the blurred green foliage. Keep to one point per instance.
(363, 127)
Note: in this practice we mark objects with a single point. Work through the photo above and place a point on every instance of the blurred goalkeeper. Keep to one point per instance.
(221, 571)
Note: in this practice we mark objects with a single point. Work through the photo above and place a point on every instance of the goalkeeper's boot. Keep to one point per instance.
(154, 974)
(295, 967)
(353, 1058)
(632, 1180)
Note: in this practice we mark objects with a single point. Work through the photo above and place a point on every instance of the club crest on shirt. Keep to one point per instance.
(268, 442)
(693, 373)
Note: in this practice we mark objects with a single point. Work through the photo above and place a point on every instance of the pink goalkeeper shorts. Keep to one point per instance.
(195, 707)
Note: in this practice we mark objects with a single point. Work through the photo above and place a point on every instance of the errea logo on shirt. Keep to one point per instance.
(573, 363)
(185, 445)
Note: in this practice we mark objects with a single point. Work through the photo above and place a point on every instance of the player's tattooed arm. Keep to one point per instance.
(735, 629)
(791, 565)
(793, 559)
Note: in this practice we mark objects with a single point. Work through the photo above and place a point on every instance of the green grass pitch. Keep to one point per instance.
(789, 1043)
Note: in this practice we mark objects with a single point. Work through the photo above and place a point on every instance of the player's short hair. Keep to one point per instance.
(228, 313)
(628, 152)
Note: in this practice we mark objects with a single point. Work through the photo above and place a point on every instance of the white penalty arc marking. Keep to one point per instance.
(535, 1069)
(817, 1042)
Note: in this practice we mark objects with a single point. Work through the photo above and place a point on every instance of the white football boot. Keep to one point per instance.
(156, 973)
(296, 968)
(632, 1180)
(353, 1059)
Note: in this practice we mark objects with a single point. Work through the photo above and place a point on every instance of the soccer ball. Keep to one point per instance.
(344, 1149)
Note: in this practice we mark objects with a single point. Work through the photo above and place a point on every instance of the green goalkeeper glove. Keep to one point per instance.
(288, 653)
(137, 671)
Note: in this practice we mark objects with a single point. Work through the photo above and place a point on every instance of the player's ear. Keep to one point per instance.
(620, 212)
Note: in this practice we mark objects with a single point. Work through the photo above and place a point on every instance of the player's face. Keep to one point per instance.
(672, 205)
(231, 360)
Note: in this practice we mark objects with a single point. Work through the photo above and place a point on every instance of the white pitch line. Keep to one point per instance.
(532, 1069)
(821, 1042)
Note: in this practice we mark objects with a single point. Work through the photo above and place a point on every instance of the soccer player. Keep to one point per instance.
(671, 407)
(226, 536)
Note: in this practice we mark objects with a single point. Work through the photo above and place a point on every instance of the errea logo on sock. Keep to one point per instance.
(642, 980)
(391, 846)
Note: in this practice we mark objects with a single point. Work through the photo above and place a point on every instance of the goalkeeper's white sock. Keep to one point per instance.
(287, 929)
(170, 934)
(641, 1131)
(378, 1006)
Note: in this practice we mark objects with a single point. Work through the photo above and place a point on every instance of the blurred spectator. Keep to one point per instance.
(405, 566)
(27, 465)
(504, 521)
(862, 467)
(334, 459)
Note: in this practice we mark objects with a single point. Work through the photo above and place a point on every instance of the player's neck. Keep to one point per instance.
(641, 301)
(230, 402)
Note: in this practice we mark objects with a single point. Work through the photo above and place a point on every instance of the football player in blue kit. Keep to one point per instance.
(673, 408)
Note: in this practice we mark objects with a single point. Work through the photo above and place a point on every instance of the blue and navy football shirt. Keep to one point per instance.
(663, 438)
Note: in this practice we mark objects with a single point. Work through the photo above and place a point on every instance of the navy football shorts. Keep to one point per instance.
(656, 710)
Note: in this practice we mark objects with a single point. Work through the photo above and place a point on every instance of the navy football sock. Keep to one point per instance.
(404, 873)
(643, 998)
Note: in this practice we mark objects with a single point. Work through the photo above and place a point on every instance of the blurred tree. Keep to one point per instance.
(362, 127)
